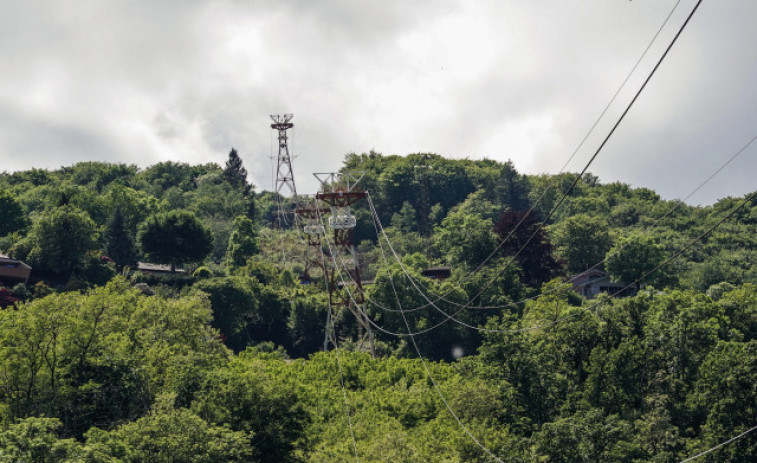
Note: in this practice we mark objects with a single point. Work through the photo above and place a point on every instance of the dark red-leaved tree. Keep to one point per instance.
(536, 259)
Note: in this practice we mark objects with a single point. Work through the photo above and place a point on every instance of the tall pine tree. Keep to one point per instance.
(119, 245)
(235, 173)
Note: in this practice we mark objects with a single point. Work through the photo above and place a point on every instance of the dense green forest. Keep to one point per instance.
(220, 357)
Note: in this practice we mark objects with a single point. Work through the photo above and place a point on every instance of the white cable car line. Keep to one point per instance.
(604, 111)
(586, 308)
(344, 393)
(411, 334)
(341, 380)
(420, 356)
(712, 449)
(656, 222)
(719, 445)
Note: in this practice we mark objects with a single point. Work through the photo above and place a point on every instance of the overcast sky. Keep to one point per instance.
(185, 80)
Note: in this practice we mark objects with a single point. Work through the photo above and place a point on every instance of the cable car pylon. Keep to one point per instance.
(340, 191)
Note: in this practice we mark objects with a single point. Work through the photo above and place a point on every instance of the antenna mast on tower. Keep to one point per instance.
(284, 175)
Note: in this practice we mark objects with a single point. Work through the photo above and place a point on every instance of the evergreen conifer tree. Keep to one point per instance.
(235, 173)
(119, 245)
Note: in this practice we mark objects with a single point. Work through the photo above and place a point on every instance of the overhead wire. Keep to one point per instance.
(341, 376)
(749, 198)
(657, 221)
(575, 151)
(722, 444)
(580, 175)
(420, 356)
(412, 334)
(593, 157)
(344, 391)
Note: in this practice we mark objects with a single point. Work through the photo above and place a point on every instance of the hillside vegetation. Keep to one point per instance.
(221, 360)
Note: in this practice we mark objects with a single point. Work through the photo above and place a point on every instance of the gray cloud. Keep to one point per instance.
(143, 82)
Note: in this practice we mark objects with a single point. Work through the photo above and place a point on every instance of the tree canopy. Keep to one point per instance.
(176, 237)
(226, 363)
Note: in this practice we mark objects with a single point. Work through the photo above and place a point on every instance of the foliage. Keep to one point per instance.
(59, 240)
(35, 440)
(245, 312)
(103, 371)
(248, 400)
(12, 212)
(202, 273)
(235, 173)
(119, 244)
(167, 435)
(582, 241)
(243, 243)
(633, 257)
(465, 235)
(724, 394)
(235, 302)
(522, 238)
(175, 238)
(98, 358)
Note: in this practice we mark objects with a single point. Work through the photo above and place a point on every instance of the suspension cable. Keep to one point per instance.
(580, 145)
(656, 222)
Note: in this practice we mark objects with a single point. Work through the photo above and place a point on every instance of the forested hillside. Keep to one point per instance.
(218, 357)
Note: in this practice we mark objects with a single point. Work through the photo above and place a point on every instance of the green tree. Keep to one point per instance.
(235, 301)
(168, 435)
(740, 306)
(725, 397)
(12, 213)
(99, 358)
(529, 245)
(163, 176)
(176, 237)
(306, 323)
(406, 219)
(98, 175)
(119, 244)
(465, 237)
(135, 205)
(587, 435)
(236, 175)
(582, 241)
(243, 243)
(60, 239)
(251, 398)
(633, 257)
(35, 440)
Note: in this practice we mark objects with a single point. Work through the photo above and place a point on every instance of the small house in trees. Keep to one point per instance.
(592, 282)
(13, 271)
(158, 269)
(437, 273)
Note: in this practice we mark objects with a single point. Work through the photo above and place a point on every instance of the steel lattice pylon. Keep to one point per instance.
(284, 174)
(340, 191)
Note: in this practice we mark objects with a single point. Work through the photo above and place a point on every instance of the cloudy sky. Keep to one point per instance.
(185, 80)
